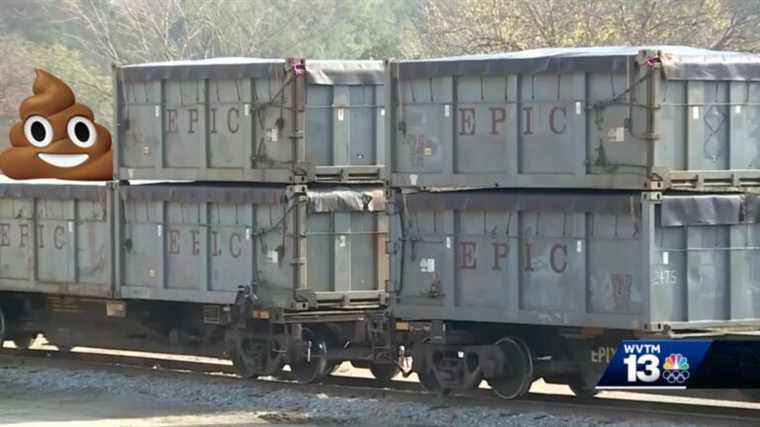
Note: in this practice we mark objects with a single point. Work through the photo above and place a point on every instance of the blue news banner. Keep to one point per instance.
(681, 364)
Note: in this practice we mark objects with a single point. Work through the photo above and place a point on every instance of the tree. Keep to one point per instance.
(473, 26)
(133, 31)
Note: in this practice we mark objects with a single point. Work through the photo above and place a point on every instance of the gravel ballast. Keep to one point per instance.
(284, 404)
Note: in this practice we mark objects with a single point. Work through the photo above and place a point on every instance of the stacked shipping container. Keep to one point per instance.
(540, 188)
(614, 120)
(286, 133)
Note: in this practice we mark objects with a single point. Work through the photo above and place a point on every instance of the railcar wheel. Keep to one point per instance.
(581, 387)
(252, 359)
(383, 372)
(313, 367)
(517, 375)
(430, 383)
(242, 364)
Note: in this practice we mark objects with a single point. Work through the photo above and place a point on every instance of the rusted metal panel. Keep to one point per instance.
(250, 120)
(640, 261)
(581, 118)
(297, 248)
(56, 239)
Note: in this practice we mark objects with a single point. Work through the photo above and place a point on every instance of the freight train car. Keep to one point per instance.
(268, 275)
(603, 118)
(249, 119)
(510, 286)
(55, 243)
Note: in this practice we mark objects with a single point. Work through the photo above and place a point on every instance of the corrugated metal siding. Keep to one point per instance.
(73, 250)
(572, 130)
(202, 251)
(570, 267)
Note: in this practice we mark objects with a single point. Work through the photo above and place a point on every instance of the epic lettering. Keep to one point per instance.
(497, 252)
(189, 243)
(554, 119)
(18, 235)
(219, 244)
(230, 118)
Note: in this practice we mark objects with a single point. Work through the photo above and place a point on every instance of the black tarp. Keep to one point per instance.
(489, 200)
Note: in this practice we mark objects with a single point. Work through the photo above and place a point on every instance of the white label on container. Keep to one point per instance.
(446, 110)
(247, 233)
(578, 108)
(695, 113)
(274, 134)
(157, 111)
(382, 111)
(247, 109)
(738, 109)
(340, 114)
(342, 242)
(448, 242)
(619, 134)
(151, 273)
(159, 229)
(71, 226)
(665, 258)
(579, 246)
(427, 265)
(273, 256)
(413, 179)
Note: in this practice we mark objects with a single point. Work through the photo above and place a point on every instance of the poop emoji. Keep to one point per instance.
(57, 138)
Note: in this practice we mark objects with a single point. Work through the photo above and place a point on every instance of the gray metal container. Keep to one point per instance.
(71, 225)
(604, 118)
(635, 261)
(297, 248)
(248, 119)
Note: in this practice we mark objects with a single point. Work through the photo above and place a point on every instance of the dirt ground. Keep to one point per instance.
(29, 408)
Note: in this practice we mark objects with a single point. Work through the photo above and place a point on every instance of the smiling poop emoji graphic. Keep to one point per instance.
(57, 138)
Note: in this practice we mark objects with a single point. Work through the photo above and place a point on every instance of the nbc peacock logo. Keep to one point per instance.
(676, 369)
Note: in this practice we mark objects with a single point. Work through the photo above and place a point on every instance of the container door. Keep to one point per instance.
(185, 124)
(486, 125)
(273, 147)
(56, 237)
(424, 131)
(16, 239)
(142, 247)
(230, 123)
(231, 246)
(552, 124)
(140, 122)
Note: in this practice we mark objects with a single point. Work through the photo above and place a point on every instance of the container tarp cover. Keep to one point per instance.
(54, 192)
(344, 199)
(676, 210)
(487, 200)
(332, 200)
(678, 62)
(322, 72)
(193, 193)
(696, 210)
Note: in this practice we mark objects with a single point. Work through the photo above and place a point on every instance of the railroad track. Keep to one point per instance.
(676, 408)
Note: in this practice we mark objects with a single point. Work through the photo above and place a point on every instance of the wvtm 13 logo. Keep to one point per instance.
(653, 365)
